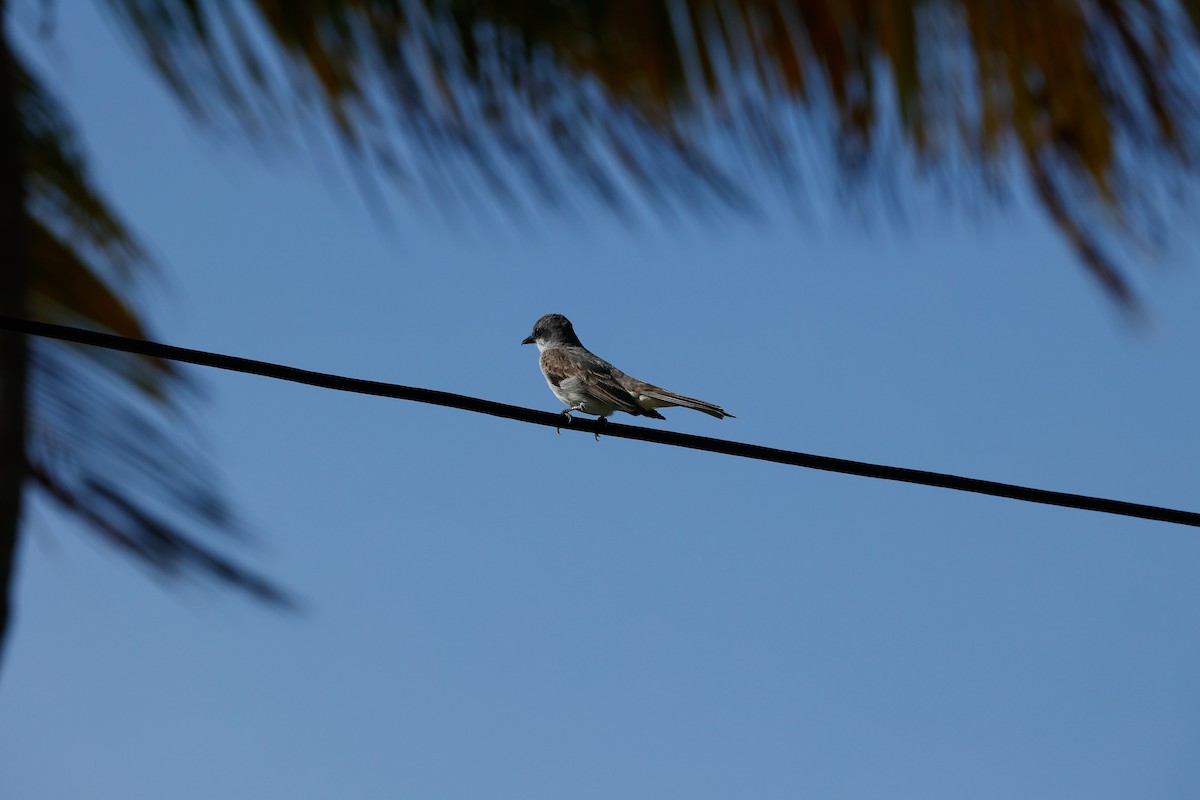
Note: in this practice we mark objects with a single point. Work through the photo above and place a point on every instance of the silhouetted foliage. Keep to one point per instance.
(691, 103)
(106, 438)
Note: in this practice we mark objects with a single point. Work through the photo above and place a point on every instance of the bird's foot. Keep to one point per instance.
(602, 421)
(566, 412)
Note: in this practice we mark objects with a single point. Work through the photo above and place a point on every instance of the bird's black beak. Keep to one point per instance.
(528, 339)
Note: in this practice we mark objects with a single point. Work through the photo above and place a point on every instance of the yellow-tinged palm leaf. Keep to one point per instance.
(64, 284)
(689, 101)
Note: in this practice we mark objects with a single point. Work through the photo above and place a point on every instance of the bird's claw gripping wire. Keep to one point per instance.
(566, 412)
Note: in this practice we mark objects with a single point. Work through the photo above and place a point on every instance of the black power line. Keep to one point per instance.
(827, 463)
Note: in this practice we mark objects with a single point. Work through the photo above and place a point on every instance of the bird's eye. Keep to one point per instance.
(537, 332)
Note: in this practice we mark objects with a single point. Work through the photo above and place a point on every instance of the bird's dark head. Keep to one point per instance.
(552, 330)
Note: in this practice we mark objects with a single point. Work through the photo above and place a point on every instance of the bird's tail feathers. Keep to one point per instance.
(688, 402)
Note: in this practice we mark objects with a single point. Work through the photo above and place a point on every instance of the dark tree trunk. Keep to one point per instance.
(14, 297)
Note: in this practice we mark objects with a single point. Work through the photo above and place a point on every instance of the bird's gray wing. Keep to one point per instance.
(596, 375)
(557, 366)
(607, 382)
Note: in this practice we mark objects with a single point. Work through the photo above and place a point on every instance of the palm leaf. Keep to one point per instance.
(700, 104)
(108, 438)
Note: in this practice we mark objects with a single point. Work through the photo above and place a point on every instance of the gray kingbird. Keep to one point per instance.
(588, 383)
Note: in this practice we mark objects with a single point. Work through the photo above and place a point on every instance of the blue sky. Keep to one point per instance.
(496, 611)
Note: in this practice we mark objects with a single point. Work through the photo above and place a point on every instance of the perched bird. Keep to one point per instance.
(588, 383)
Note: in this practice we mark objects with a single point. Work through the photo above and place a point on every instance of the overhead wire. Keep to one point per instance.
(615, 430)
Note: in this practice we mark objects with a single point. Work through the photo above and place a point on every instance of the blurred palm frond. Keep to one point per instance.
(107, 433)
(695, 104)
